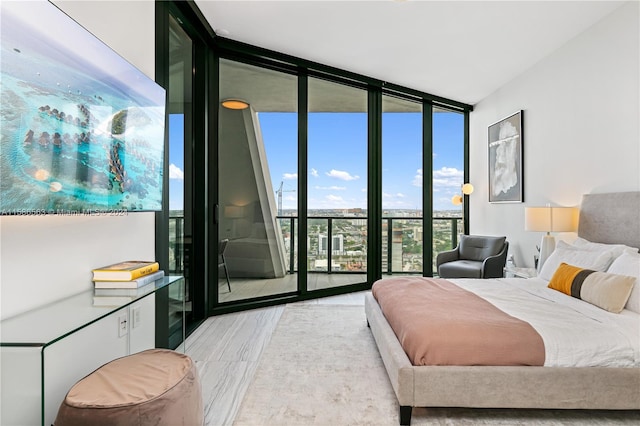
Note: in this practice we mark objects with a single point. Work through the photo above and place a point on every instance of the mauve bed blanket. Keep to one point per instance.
(439, 323)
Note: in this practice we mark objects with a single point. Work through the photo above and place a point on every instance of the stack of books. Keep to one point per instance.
(120, 283)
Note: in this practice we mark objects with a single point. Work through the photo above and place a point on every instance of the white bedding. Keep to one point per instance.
(575, 333)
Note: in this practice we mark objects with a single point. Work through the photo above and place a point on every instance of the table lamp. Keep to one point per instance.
(550, 219)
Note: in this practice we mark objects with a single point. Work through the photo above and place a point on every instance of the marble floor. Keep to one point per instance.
(227, 348)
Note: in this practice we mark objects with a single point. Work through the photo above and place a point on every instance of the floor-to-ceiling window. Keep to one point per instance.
(180, 122)
(448, 178)
(337, 219)
(324, 177)
(257, 181)
(402, 189)
(180, 239)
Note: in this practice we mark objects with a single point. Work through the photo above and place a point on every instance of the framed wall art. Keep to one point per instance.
(505, 160)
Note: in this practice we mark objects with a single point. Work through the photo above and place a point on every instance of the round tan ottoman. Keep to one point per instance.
(153, 387)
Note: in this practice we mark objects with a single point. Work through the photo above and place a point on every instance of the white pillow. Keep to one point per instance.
(617, 249)
(594, 260)
(629, 264)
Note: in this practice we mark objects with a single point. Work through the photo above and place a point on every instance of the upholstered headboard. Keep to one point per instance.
(611, 218)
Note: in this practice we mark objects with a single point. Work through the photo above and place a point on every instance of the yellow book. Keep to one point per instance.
(125, 271)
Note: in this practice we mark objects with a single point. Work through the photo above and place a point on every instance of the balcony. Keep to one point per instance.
(336, 251)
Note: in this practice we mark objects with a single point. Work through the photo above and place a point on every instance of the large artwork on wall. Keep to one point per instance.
(505, 160)
(82, 130)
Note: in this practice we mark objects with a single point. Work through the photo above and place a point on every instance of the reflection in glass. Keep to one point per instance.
(257, 172)
(180, 130)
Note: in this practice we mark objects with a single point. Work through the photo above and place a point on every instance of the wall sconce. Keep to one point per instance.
(549, 219)
(235, 104)
(467, 189)
(458, 199)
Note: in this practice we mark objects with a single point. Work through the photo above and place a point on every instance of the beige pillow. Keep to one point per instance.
(594, 260)
(606, 291)
(616, 249)
(629, 264)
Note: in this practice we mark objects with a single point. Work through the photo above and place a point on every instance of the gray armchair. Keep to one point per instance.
(476, 256)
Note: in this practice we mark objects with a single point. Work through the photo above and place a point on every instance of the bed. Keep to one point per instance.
(604, 218)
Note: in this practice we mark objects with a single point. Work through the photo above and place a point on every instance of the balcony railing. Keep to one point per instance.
(337, 244)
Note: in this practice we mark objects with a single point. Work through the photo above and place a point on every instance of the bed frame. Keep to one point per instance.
(607, 218)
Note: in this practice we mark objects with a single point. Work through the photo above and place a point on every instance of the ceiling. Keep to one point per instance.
(461, 50)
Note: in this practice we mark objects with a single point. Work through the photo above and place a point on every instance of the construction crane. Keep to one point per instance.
(279, 191)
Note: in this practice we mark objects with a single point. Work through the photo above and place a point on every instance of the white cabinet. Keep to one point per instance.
(46, 350)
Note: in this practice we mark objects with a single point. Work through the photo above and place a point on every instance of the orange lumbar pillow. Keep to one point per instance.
(606, 291)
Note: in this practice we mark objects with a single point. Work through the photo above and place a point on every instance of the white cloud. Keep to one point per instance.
(447, 172)
(334, 198)
(175, 172)
(392, 196)
(417, 179)
(331, 188)
(314, 172)
(290, 176)
(448, 177)
(342, 175)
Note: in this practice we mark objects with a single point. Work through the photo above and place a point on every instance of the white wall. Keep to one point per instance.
(47, 258)
(581, 132)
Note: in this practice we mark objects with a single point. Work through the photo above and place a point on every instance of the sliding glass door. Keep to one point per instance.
(402, 187)
(337, 219)
(180, 130)
(257, 181)
(290, 179)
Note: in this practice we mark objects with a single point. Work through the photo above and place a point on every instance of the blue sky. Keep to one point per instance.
(337, 159)
(176, 161)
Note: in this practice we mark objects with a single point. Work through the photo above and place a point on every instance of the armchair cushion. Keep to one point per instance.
(461, 269)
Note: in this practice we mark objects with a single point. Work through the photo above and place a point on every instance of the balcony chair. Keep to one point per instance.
(476, 256)
(222, 246)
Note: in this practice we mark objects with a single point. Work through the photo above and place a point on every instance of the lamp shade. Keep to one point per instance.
(537, 219)
(467, 189)
(551, 219)
(234, 212)
(564, 219)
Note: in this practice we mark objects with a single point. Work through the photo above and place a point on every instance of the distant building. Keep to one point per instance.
(417, 234)
(337, 244)
(396, 250)
(357, 211)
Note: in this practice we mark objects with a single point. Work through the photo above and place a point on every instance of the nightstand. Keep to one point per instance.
(515, 272)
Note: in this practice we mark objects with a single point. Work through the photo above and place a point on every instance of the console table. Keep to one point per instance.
(46, 350)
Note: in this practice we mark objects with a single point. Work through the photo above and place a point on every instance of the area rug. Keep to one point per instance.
(322, 367)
